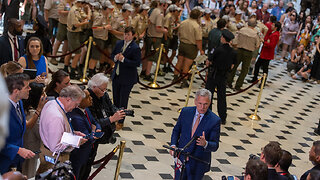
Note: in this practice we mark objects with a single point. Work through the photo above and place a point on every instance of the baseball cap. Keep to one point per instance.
(165, 1)
(107, 4)
(127, 7)
(145, 7)
(207, 11)
(120, 1)
(138, 2)
(238, 11)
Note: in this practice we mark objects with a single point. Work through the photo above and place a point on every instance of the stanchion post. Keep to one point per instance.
(122, 145)
(254, 116)
(154, 83)
(83, 79)
(193, 69)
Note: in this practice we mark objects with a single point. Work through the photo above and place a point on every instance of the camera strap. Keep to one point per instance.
(69, 120)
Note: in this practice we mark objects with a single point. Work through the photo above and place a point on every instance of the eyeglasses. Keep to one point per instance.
(293, 15)
(103, 91)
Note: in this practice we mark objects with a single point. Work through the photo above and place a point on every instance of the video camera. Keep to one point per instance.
(61, 171)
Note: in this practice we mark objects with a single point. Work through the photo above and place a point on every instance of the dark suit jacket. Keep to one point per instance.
(5, 48)
(273, 175)
(80, 122)
(181, 135)
(305, 175)
(128, 73)
(11, 10)
(8, 154)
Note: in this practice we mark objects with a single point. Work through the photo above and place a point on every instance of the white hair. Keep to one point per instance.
(98, 80)
(204, 93)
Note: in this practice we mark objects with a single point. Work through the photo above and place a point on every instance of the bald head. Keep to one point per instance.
(252, 22)
(14, 175)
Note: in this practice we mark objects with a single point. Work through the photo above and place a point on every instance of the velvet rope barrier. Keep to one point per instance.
(86, 42)
(104, 53)
(105, 160)
(242, 90)
(166, 86)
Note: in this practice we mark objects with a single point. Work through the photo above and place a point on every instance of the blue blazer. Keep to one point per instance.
(8, 154)
(80, 123)
(5, 48)
(128, 74)
(181, 135)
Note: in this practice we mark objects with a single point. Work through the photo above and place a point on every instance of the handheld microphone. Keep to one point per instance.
(189, 143)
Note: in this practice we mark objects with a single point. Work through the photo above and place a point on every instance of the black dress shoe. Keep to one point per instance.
(252, 80)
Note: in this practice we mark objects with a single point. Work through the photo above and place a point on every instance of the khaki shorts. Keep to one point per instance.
(95, 53)
(74, 41)
(62, 32)
(189, 51)
(152, 44)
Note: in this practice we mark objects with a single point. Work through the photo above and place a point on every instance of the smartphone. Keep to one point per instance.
(88, 136)
(230, 178)
(98, 134)
(37, 152)
(49, 159)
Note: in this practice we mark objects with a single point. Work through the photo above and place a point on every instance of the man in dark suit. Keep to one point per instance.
(314, 157)
(83, 121)
(199, 122)
(10, 9)
(271, 155)
(127, 57)
(11, 43)
(13, 153)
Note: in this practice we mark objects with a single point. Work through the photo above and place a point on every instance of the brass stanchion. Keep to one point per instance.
(154, 83)
(122, 145)
(84, 79)
(254, 116)
(193, 69)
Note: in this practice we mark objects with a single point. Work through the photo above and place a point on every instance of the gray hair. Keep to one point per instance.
(98, 80)
(72, 91)
(204, 93)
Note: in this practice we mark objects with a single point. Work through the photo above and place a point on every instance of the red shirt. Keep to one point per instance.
(267, 51)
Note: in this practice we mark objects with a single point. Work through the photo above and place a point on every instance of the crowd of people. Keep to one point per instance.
(127, 34)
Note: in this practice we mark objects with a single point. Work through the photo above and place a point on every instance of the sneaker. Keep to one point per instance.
(161, 72)
(142, 74)
(54, 61)
(184, 83)
(148, 78)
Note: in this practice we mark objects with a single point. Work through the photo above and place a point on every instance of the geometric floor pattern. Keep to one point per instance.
(288, 111)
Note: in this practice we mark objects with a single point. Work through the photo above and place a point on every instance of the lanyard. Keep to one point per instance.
(69, 120)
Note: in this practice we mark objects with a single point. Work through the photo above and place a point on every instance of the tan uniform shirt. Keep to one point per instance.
(247, 38)
(169, 23)
(206, 26)
(64, 6)
(52, 7)
(156, 19)
(99, 20)
(120, 24)
(190, 31)
(261, 28)
(74, 17)
(140, 23)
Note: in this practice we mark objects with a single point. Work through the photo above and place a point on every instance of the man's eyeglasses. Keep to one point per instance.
(102, 90)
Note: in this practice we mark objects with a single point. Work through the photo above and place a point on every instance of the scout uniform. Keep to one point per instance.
(75, 16)
(53, 15)
(154, 38)
(247, 40)
(140, 23)
(206, 26)
(63, 19)
(170, 23)
(189, 32)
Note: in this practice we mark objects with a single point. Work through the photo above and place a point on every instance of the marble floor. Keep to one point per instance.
(288, 112)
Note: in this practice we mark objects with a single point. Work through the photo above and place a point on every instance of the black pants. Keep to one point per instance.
(265, 67)
(85, 171)
(120, 94)
(220, 84)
